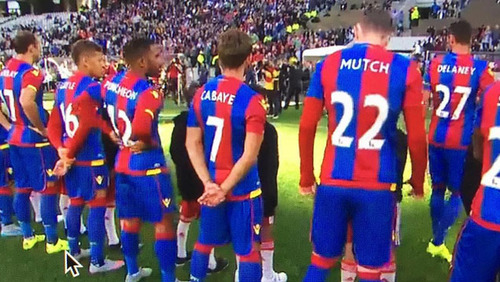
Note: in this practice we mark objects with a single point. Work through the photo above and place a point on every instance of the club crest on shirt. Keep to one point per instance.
(256, 229)
(167, 202)
(264, 104)
(99, 179)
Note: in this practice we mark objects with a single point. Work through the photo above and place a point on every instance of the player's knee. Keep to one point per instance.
(101, 194)
(51, 188)
(323, 262)
(76, 202)
(166, 225)
(5, 191)
(130, 225)
(369, 273)
(97, 202)
(252, 257)
(202, 248)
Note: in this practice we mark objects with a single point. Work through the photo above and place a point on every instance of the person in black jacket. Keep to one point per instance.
(190, 188)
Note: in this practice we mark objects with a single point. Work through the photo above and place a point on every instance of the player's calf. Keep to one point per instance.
(267, 253)
(319, 268)
(250, 268)
(6, 213)
(199, 261)
(130, 243)
(73, 222)
(166, 247)
(49, 218)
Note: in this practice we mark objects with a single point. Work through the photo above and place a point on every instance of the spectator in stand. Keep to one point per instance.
(446, 9)
(435, 10)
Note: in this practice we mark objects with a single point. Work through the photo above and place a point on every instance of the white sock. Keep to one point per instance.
(389, 272)
(35, 202)
(212, 263)
(348, 271)
(182, 233)
(83, 228)
(109, 224)
(237, 273)
(64, 202)
(267, 261)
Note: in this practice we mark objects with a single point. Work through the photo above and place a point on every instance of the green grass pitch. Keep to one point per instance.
(293, 248)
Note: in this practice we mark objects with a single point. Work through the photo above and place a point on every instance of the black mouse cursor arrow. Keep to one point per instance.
(71, 264)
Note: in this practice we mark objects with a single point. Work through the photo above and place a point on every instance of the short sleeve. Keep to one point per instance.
(255, 115)
(413, 95)
(487, 78)
(150, 103)
(315, 86)
(32, 79)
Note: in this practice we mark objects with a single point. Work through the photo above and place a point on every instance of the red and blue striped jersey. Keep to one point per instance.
(16, 76)
(485, 206)
(455, 81)
(134, 107)
(77, 104)
(226, 110)
(364, 88)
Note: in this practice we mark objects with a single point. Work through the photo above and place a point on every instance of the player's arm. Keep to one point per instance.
(487, 78)
(255, 123)
(4, 122)
(313, 109)
(146, 113)
(415, 124)
(194, 141)
(478, 137)
(427, 91)
(32, 81)
(55, 127)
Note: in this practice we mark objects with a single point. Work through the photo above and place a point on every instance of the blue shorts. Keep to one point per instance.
(5, 168)
(477, 256)
(33, 166)
(84, 181)
(148, 198)
(447, 167)
(371, 214)
(238, 222)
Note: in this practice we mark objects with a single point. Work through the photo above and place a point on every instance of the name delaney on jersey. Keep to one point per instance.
(455, 69)
(217, 97)
(120, 90)
(8, 73)
(365, 65)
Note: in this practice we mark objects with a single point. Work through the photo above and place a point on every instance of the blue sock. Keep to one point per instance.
(48, 209)
(23, 212)
(316, 274)
(6, 209)
(73, 221)
(250, 268)
(96, 235)
(199, 261)
(452, 210)
(437, 211)
(130, 248)
(166, 252)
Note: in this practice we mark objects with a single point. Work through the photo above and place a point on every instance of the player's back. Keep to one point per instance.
(485, 208)
(364, 92)
(456, 81)
(222, 108)
(123, 93)
(69, 96)
(16, 76)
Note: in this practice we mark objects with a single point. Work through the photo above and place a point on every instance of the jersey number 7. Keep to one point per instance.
(367, 141)
(219, 126)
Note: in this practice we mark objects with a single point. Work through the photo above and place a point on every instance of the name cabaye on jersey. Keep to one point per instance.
(217, 97)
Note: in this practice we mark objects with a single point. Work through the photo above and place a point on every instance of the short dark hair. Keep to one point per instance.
(234, 47)
(136, 48)
(462, 30)
(377, 20)
(23, 40)
(83, 47)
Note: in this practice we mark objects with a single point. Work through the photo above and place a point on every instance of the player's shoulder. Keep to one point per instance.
(492, 91)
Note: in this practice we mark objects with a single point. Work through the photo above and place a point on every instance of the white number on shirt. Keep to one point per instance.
(367, 141)
(128, 125)
(9, 96)
(70, 121)
(490, 178)
(465, 91)
(219, 125)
